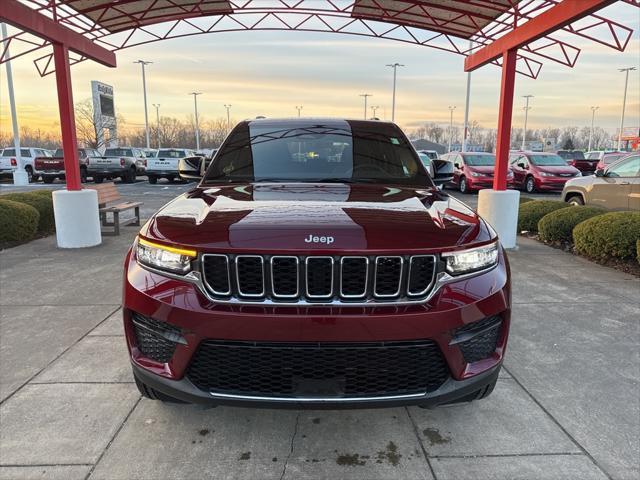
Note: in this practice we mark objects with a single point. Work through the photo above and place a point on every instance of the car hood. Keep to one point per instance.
(286, 217)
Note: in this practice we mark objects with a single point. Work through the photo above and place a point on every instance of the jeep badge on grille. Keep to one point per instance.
(316, 239)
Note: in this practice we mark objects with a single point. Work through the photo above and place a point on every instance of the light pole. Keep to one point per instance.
(20, 176)
(374, 109)
(624, 102)
(365, 95)
(465, 133)
(526, 116)
(393, 98)
(593, 116)
(157, 107)
(451, 109)
(299, 108)
(228, 107)
(144, 91)
(195, 106)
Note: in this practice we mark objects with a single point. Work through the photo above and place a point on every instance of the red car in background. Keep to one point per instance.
(53, 167)
(534, 171)
(576, 158)
(473, 171)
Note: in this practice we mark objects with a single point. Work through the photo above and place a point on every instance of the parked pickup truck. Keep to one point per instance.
(9, 162)
(123, 162)
(576, 159)
(165, 163)
(53, 167)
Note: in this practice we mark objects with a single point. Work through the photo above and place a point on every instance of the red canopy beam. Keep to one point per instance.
(28, 19)
(557, 17)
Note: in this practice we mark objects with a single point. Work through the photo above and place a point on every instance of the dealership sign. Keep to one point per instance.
(104, 114)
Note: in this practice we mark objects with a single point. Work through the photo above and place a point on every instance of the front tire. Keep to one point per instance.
(47, 180)
(530, 185)
(83, 175)
(576, 200)
(463, 185)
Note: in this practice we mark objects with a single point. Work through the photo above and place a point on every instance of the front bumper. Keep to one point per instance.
(478, 183)
(451, 391)
(551, 183)
(199, 319)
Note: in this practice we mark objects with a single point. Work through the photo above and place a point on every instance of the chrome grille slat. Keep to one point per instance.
(242, 263)
(313, 280)
(384, 276)
(278, 283)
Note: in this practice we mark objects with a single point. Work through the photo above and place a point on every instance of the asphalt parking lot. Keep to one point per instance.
(567, 405)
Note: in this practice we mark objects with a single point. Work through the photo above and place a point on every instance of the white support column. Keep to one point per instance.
(500, 209)
(77, 221)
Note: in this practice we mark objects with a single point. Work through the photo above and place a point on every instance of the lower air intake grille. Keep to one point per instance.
(332, 370)
(151, 338)
(479, 339)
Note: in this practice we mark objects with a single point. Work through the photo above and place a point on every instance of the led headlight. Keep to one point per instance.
(476, 174)
(164, 257)
(547, 174)
(471, 260)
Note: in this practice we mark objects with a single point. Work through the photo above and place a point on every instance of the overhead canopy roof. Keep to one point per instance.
(461, 18)
(442, 24)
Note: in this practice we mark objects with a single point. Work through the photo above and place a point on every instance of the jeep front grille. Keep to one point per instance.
(342, 370)
(318, 279)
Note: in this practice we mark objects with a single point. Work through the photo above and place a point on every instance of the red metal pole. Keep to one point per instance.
(67, 117)
(503, 140)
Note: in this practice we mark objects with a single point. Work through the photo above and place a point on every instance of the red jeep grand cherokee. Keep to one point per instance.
(316, 264)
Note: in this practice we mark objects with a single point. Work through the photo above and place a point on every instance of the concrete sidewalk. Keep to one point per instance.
(566, 406)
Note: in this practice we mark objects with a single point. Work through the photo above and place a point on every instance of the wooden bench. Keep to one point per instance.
(108, 193)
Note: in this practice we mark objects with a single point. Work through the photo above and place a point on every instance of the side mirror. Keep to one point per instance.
(600, 172)
(443, 171)
(191, 168)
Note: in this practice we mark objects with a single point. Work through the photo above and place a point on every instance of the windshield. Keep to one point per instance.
(11, 152)
(426, 161)
(571, 155)
(334, 151)
(480, 159)
(547, 160)
(58, 153)
(118, 152)
(172, 154)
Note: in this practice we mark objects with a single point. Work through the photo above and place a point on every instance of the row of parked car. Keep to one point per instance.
(608, 179)
(125, 163)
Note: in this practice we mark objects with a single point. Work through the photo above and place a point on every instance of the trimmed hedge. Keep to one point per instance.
(18, 221)
(42, 203)
(638, 250)
(613, 234)
(526, 199)
(558, 225)
(530, 213)
(44, 193)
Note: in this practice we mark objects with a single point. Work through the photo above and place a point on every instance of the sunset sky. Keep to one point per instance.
(269, 73)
